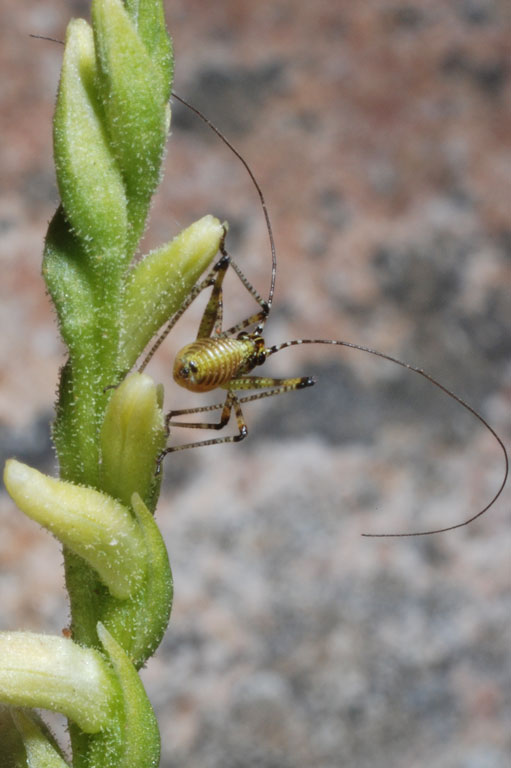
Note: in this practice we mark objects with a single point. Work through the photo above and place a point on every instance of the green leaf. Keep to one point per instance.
(68, 279)
(139, 623)
(154, 619)
(80, 398)
(90, 183)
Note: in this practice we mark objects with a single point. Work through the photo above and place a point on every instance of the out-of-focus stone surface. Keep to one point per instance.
(379, 132)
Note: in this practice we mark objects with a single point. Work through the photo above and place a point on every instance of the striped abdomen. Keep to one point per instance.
(206, 364)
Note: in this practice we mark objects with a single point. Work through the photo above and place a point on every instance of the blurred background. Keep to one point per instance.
(379, 132)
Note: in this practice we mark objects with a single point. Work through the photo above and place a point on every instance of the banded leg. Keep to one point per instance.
(258, 318)
(211, 321)
(274, 386)
(231, 402)
(278, 387)
(226, 407)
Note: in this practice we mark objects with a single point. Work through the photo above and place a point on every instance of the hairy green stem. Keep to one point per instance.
(110, 128)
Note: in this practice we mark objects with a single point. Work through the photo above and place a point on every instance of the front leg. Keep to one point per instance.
(211, 321)
(271, 385)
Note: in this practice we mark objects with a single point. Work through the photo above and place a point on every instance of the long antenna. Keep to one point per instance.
(278, 347)
(50, 39)
(432, 380)
(256, 185)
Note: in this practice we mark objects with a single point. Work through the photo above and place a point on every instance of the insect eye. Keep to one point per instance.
(193, 366)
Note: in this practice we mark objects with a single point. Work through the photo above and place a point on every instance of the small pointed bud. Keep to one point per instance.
(132, 437)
